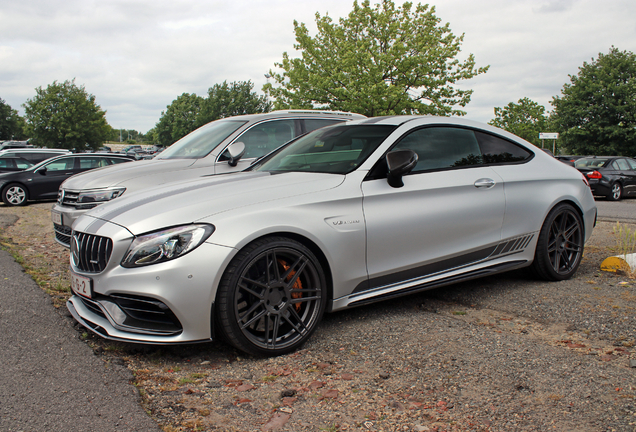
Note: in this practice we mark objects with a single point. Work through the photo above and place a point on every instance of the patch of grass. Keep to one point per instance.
(269, 378)
(459, 313)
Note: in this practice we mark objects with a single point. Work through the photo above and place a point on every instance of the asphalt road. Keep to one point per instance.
(612, 211)
(49, 379)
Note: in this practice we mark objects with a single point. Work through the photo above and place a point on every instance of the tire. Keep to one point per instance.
(271, 297)
(560, 245)
(15, 195)
(616, 192)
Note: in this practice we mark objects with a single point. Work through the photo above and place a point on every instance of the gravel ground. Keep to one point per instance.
(504, 353)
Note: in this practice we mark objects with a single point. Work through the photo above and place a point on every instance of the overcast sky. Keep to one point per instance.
(137, 56)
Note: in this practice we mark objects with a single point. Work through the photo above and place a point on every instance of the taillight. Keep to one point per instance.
(594, 175)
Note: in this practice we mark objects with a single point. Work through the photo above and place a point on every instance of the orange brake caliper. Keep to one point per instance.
(298, 285)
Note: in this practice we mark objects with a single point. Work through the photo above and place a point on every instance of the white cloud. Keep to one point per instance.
(136, 56)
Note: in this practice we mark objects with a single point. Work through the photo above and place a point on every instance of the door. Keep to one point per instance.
(448, 213)
(47, 179)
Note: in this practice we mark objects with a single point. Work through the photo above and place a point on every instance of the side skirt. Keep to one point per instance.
(486, 271)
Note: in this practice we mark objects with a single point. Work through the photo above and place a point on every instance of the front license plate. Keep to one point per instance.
(56, 217)
(81, 285)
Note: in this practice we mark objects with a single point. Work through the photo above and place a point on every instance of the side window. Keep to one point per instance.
(23, 164)
(631, 163)
(622, 163)
(265, 137)
(313, 124)
(61, 164)
(497, 150)
(6, 163)
(442, 147)
(90, 162)
(116, 160)
(615, 166)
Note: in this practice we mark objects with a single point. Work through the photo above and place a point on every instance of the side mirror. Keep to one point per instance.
(399, 163)
(236, 151)
(42, 171)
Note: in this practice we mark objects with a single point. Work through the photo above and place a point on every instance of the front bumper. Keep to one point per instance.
(167, 303)
(68, 216)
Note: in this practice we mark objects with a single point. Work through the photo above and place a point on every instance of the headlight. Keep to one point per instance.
(91, 198)
(165, 245)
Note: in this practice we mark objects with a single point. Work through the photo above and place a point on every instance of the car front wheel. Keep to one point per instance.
(14, 195)
(271, 297)
(616, 193)
(560, 245)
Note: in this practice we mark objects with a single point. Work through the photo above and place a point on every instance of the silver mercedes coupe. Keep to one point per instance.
(341, 217)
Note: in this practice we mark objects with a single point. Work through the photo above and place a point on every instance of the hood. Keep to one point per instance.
(153, 170)
(195, 200)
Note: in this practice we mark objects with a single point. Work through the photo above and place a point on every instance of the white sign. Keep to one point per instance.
(548, 135)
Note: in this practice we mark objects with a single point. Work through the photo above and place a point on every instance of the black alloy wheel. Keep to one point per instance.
(616, 192)
(271, 297)
(560, 245)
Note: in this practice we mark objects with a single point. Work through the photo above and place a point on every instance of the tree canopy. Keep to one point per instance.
(596, 112)
(189, 111)
(379, 60)
(525, 119)
(66, 116)
(11, 124)
(179, 119)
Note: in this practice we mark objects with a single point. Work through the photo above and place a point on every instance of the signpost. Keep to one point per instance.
(549, 135)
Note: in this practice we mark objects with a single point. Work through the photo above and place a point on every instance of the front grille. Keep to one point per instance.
(90, 253)
(62, 234)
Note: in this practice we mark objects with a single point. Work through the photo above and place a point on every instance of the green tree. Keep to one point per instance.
(189, 111)
(596, 112)
(379, 60)
(179, 119)
(235, 98)
(525, 118)
(11, 124)
(66, 116)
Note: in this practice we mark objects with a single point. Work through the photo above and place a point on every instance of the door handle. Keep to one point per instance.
(484, 183)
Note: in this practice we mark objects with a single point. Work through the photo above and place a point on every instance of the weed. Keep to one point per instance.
(625, 239)
(459, 313)
(268, 378)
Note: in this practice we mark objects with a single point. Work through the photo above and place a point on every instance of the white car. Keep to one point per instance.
(343, 216)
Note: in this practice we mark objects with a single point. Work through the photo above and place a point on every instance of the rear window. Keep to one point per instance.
(591, 162)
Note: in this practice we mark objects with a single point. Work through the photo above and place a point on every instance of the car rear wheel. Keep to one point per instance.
(271, 297)
(14, 195)
(616, 193)
(560, 245)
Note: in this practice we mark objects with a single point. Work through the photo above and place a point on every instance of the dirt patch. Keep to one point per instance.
(504, 353)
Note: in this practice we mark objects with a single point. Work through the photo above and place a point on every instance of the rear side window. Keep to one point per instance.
(495, 150)
(622, 164)
(117, 160)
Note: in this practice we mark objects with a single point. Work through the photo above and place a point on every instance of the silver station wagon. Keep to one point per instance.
(208, 150)
(341, 217)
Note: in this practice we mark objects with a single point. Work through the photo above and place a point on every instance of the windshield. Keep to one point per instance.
(202, 141)
(335, 149)
(590, 162)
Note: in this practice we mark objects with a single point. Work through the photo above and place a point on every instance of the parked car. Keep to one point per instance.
(202, 152)
(613, 177)
(343, 216)
(10, 163)
(14, 144)
(35, 155)
(569, 159)
(42, 181)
